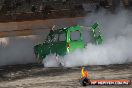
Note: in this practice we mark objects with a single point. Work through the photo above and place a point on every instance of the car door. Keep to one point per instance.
(76, 40)
(59, 44)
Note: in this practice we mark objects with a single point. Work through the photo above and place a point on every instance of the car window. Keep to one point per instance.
(75, 35)
(62, 37)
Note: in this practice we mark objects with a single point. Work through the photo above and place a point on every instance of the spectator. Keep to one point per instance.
(41, 8)
(33, 9)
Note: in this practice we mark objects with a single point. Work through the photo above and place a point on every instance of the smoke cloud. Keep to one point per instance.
(117, 46)
(17, 50)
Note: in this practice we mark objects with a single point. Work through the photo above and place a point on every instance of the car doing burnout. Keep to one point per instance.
(66, 40)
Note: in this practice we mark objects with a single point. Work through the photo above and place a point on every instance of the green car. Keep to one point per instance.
(66, 40)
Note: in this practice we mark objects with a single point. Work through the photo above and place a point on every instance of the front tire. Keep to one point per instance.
(39, 61)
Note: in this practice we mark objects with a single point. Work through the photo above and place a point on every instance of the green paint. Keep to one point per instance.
(67, 44)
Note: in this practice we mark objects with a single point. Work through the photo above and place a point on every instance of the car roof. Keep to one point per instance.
(71, 28)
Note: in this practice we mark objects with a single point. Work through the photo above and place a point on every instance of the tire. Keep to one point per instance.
(60, 62)
(38, 60)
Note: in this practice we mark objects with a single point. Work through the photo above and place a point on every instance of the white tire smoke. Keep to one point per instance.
(117, 47)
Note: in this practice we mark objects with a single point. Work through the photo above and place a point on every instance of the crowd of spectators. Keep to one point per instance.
(32, 5)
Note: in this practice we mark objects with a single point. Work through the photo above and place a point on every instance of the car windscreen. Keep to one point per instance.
(55, 38)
